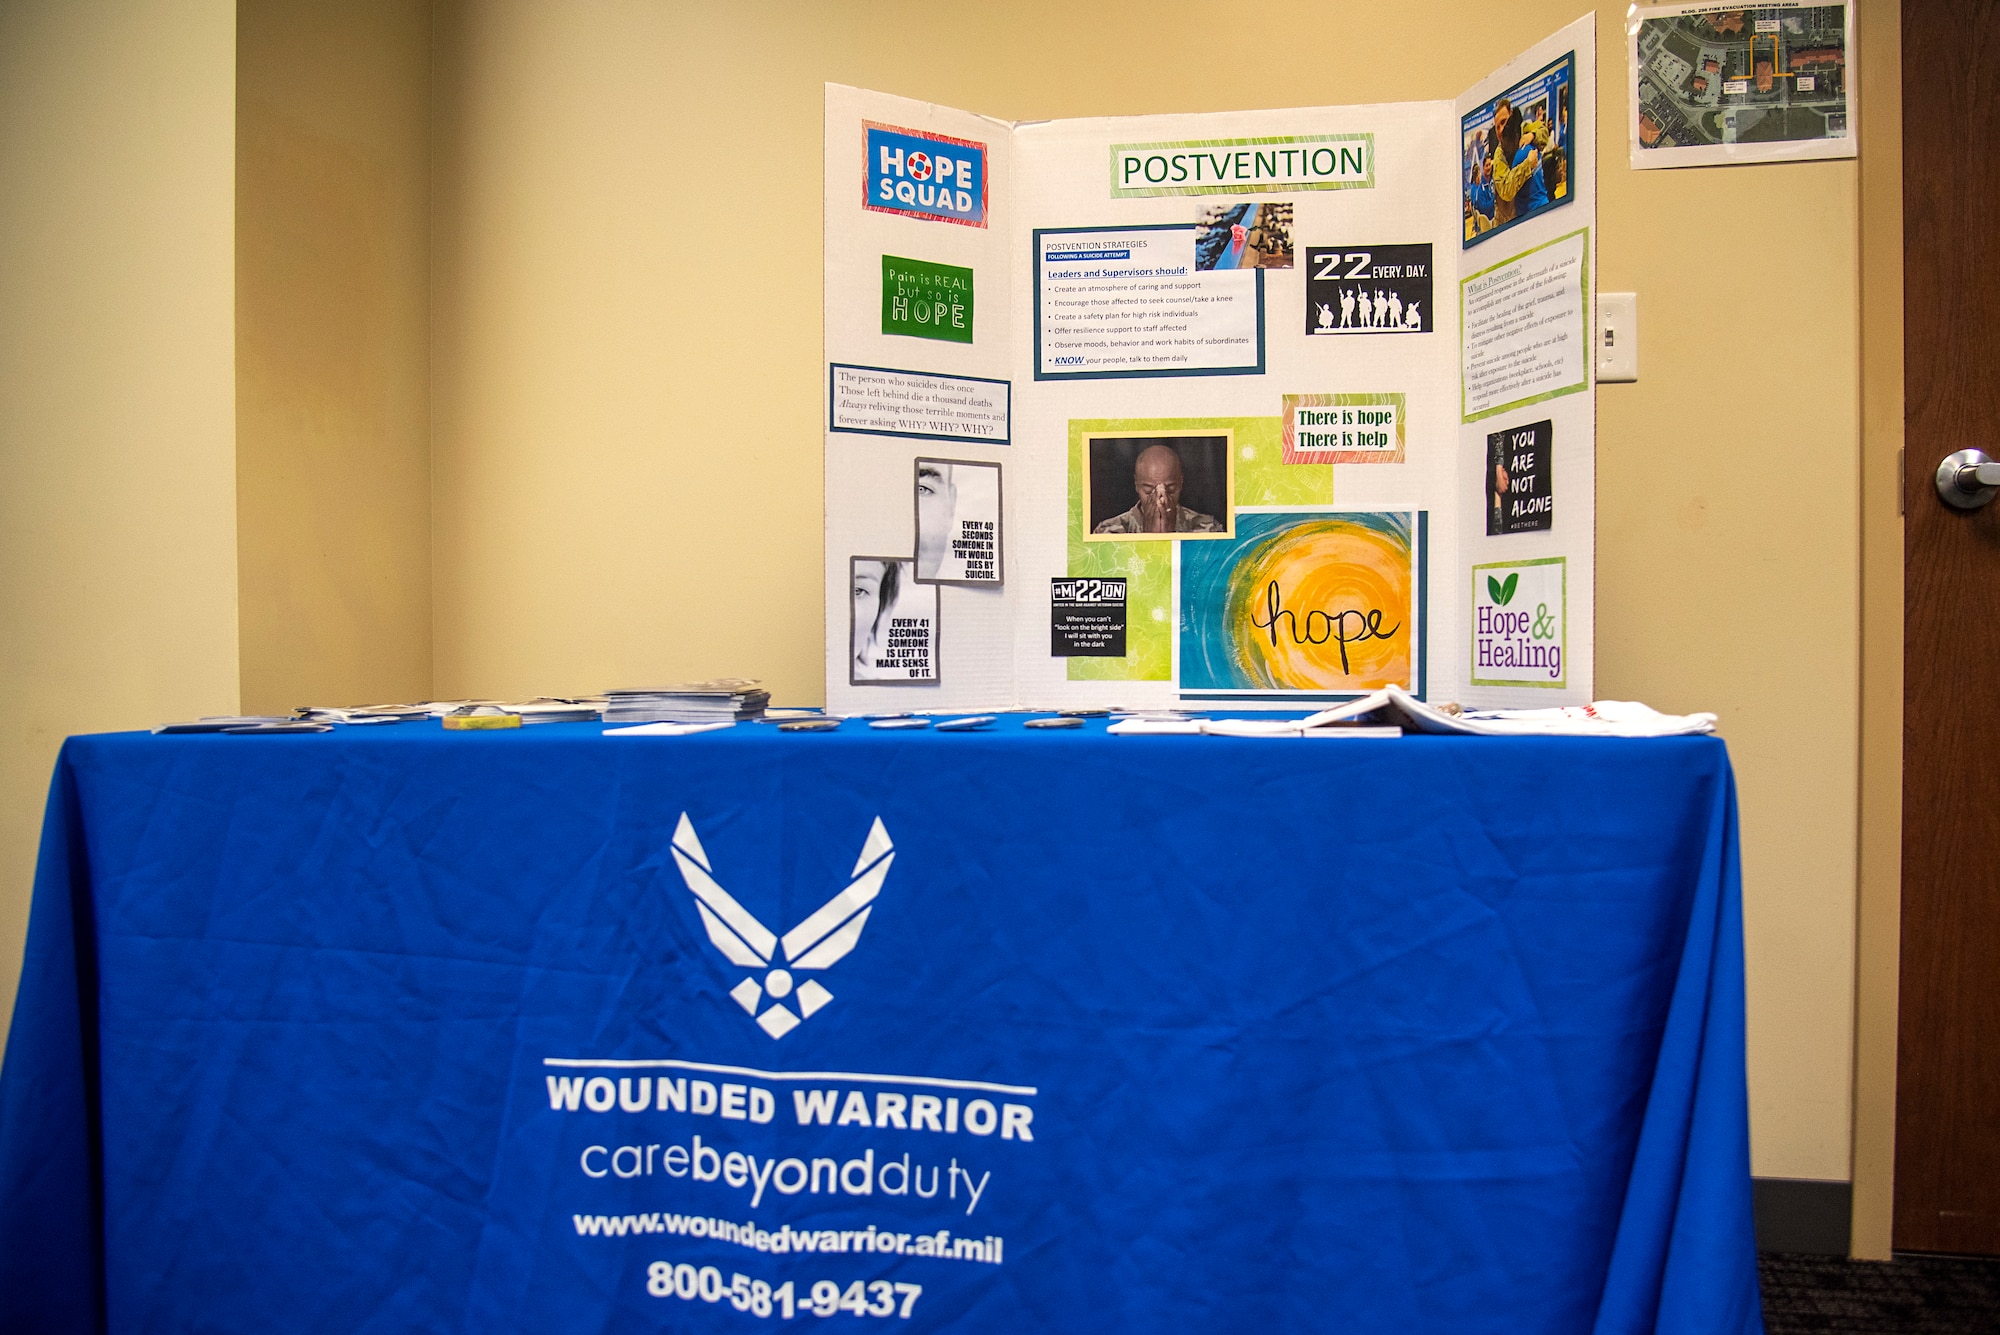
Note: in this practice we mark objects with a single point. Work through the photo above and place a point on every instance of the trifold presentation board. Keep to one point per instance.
(1235, 410)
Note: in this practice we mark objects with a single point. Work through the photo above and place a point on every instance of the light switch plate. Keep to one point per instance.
(1617, 337)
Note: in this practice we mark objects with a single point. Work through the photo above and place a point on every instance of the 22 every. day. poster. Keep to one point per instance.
(1314, 602)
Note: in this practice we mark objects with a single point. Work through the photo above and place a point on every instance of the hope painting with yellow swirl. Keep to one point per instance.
(1304, 602)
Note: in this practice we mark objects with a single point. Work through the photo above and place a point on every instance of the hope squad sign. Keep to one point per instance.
(921, 175)
(1518, 623)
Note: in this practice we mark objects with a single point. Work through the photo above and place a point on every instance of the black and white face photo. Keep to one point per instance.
(958, 522)
(893, 623)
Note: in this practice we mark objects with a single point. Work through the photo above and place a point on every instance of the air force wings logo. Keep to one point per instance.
(820, 942)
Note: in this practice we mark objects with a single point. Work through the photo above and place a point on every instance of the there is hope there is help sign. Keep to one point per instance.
(1343, 428)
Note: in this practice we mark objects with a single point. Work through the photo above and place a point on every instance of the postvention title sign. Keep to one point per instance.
(1243, 166)
(923, 175)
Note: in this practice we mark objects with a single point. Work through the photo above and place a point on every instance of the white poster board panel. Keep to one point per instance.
(1526, 505)
(946, 377)
(1222, 350)
(1384, 190)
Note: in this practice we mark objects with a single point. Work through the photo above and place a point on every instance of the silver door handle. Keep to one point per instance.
(1968, 479)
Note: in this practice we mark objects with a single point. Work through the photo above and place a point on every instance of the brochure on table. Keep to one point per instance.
(1236, 410)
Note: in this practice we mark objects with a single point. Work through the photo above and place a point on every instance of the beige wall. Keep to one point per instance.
(1881, 843)
(627, 401)
(626, 464)
(117, 405)
(1725, 582)
(623, 444)
(332, 351)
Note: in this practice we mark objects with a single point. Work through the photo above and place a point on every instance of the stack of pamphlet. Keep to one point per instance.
(723, 700)
(234, 723)
(366, 713)
(440, 708)
(1602, 718)
(541, 709)
(558, 709)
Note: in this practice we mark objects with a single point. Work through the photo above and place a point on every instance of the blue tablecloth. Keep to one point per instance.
(394, 1029)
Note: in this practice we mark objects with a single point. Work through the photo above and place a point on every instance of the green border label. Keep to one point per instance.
(1273, 164)
(1584, 334)
(1562, 632)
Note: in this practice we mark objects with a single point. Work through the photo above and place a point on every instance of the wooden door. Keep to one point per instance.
(1948, 1054)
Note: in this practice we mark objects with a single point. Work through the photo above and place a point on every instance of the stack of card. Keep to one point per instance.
(725, 699)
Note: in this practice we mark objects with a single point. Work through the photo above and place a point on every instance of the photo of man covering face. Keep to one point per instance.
(958, 522)
(893, 623)
(1157, 486)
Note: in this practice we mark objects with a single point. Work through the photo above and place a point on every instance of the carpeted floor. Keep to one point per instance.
(1930, 1295)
